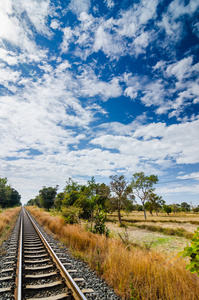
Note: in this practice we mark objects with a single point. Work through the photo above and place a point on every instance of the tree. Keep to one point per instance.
(175, 208)
(185, 206)
(103, 191)
(9, 197)
(14, 198)
(122, 190)
(30, 202)
(71, 193)
(149, 206)
(156, 202)
(47, 196)
(167, 209)
(71, 186)
(142, 187)
(196, 209)
(58, 201)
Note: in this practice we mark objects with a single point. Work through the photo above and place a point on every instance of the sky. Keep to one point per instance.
(99, 88)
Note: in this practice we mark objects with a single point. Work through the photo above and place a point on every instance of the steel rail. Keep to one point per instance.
(19, 277)
(77, 293)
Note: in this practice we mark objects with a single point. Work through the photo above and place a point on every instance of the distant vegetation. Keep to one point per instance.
(9, 197)
(92, 200)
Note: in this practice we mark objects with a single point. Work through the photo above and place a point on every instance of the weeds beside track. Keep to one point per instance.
(8, 218)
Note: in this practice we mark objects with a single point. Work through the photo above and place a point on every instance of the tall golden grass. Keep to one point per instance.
(150, 274)
(7, 219)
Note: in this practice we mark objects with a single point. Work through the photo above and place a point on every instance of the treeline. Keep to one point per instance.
(85, 200)
(9, 197)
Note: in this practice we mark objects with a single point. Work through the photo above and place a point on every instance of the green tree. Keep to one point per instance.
(47, 196)
(167, 209)
(103, 191)
(71, 186)
(142, 187)
(9, 197)
(71, 193)
(138, 207)
(149, 207)
(122, 191)
(30, 202)
(156, 202)
(185, 206)
(196, 209)
(175, 208)
(15, 198)
(58, 201)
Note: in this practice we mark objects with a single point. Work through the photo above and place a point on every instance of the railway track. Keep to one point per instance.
(32, 270)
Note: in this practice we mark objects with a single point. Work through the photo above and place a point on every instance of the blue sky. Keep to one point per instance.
(97, 88)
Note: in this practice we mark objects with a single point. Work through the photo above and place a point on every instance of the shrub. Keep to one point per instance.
(193, 253)
(71, 214)
(99, 226)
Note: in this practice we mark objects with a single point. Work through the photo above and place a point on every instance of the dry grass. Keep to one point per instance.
(8, 218)
(151, 274)
(174, 225)
(181, 224)
(162, 217)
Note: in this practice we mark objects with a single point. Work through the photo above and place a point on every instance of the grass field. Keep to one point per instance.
(8, 218)
(158, 241)
(135, 272)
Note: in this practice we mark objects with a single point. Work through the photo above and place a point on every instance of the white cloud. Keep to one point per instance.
(156, 142)
(79, 6)
(181, 69)
(37, 11)
(68, 33)
(112, 35)
(121, 129)
(134, 19)
(109, 3)
(141, 42)
(9, 78)
(111, 44)
(17, 19)
(131, 92)
(172, 21)
(92, 86)
(153, 91)
(194, 175)
(55, 24)
(179, 189)
(8, 56)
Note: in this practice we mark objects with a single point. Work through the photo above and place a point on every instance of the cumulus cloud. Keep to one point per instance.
(156, 142)
(91, 86)
(55, 24)
(79, 6)
(181, 69)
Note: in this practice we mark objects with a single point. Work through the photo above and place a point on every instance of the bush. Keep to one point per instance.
(193, 253)
(71, 214)
(100, 227)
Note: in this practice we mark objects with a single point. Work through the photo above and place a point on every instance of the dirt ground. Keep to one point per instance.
(156, 241)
